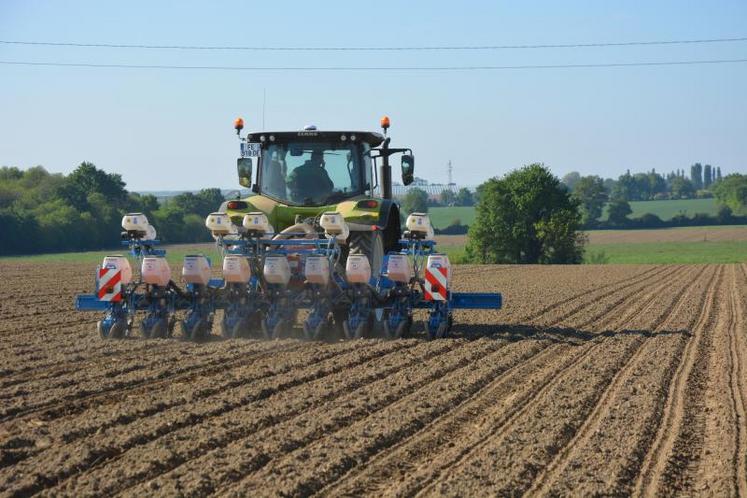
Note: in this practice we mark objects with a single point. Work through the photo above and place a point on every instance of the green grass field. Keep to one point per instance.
(668, 253)
(648, 253)
(666, 210)
(441, 217)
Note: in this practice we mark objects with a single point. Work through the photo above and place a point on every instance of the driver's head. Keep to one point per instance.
(317, 157)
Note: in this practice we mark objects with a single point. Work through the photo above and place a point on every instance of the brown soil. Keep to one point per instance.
(695, 234)
(594, 380)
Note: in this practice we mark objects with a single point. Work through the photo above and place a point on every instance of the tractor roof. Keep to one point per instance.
(372, 138)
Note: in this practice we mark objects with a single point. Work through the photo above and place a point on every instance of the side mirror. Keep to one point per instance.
(408, 169)
(244, 169)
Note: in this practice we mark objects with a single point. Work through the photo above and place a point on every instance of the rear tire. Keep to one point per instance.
(371, 244)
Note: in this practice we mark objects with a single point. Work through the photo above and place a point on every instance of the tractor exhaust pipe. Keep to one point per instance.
(385, 171)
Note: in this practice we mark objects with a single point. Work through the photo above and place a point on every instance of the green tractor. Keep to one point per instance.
(295, 176)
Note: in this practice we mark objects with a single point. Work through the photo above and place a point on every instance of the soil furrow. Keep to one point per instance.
(149, 406)
(738, 351)
(509, 392)
(73, 358)
(80, 400)
(525, 443)
(162, 355)
(617, 416)
(397, 419)
(615, 286)
(106, 448)
(216, 449)
(685, 390)
(620, 301)
(15, 330)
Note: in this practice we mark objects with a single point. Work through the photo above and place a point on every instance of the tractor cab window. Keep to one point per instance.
(312, 174)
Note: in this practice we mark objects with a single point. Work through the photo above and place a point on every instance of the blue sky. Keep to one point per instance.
(171, 130)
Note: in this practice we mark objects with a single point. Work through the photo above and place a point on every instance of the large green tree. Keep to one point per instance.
(527, 216)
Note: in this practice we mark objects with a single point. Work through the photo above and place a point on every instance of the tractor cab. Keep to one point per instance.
(311, 168)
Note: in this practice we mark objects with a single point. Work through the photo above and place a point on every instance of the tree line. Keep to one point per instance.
(45, 212)
(594, 192)
(648, 186)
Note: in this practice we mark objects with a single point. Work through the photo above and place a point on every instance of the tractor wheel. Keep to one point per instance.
(372, 245)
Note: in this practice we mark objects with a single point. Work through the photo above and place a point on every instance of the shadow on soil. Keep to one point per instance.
(518, 332)
(509, 332)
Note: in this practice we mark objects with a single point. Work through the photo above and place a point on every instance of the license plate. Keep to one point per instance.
(250, 149)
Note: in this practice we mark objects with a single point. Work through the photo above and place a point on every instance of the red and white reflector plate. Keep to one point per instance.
(435, 284)
(110, 285)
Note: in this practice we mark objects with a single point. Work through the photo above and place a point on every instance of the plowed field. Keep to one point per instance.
(612, 380)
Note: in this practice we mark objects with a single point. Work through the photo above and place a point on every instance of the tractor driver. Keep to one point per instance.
(310, 180)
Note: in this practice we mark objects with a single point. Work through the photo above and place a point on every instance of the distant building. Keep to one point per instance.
(433, 190)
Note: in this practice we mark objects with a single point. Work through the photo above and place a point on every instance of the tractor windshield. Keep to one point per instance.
(313, 173)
